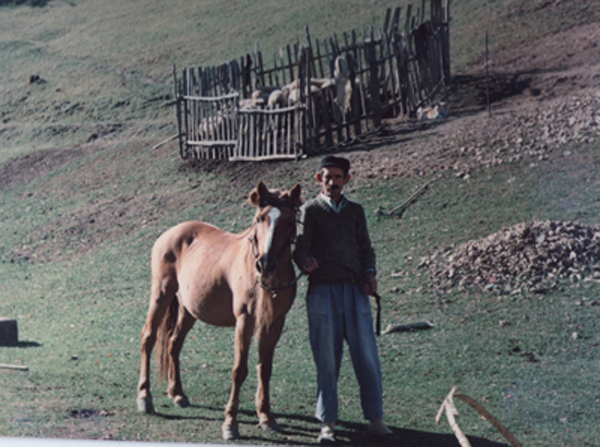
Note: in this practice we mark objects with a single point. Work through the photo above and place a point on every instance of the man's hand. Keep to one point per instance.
(310, 264)
(370, 283)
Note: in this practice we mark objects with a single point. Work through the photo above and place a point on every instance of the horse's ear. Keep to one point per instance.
(261, 190)
(295, 193)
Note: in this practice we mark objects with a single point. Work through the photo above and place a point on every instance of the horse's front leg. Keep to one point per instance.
(185, 322)
(244, 329)
(266, 350)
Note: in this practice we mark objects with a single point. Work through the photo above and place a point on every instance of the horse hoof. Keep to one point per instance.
(145, 405)
(181, 401)
(230, 432)
(271, 427)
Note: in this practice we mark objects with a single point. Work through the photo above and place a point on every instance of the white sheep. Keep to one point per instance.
(430, 113)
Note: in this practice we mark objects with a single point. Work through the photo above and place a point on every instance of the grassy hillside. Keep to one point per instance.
(83, 196)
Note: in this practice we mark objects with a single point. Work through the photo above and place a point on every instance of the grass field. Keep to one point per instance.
(84, 195)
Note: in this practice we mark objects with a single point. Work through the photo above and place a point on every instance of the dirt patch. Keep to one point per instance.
(21, 170)
(89, 422)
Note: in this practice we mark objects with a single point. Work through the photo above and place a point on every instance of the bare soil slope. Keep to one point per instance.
(543, 95)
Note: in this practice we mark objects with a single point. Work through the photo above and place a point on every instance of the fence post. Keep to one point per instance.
(446, 50)
(177, 99)
(375, 103)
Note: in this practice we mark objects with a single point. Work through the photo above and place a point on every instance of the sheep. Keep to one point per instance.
(430, 113)
(343, 86)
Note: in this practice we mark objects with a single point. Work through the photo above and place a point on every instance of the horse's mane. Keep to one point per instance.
(277, 199)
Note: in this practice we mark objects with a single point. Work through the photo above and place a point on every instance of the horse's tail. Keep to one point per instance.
(165, 330)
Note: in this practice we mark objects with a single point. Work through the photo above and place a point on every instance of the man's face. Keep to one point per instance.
(332, 180)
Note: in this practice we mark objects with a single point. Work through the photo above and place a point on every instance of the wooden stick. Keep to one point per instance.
(491, 419)
(419, 325)
(414, 196)
(460, 436)
(15, 367)
(451, 414)
(162, 143)
(443, 406)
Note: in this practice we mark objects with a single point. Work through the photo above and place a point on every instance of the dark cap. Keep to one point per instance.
(337, 162)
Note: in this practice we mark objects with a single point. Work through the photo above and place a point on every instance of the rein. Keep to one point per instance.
(280, 286)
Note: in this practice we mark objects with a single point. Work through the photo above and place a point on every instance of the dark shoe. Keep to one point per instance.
(379, 433)
(387, 439)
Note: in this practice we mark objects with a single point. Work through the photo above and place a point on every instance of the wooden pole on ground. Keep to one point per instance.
(15, 367)
(452, 413)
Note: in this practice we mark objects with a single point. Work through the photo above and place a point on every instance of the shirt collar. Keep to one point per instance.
(334, 206)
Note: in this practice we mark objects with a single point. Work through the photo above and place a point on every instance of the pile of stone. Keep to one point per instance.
(535, 256)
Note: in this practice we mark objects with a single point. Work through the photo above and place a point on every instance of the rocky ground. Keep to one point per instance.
(528, 257)
(543, 95)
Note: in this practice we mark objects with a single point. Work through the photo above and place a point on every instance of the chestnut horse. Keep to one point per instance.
(246, 280)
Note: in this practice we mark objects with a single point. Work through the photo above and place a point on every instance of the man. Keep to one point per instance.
(334, 248)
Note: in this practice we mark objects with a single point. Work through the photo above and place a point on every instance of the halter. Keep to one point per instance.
(255, 251)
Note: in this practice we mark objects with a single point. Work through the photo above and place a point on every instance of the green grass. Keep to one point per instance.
(80, 319)
(77, 227)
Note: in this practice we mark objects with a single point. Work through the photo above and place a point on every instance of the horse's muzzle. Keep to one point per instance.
(266, 268)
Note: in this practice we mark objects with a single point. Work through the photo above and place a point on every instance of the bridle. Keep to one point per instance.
(253, 239)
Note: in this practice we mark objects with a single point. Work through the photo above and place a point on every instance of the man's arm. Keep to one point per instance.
(302, 256)
(367, 254)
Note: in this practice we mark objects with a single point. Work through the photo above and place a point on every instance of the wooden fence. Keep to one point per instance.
(221, 114)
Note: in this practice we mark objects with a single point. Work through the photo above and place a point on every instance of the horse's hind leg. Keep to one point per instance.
(185, 322)
(162, 294)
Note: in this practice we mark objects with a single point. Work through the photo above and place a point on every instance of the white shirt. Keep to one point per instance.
(337, 207)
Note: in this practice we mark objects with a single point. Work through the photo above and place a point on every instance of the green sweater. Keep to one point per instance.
(339, 241)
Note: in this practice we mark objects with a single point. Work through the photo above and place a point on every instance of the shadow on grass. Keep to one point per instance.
(355, 434)
(179, 417)
(23, 344)
(28, 344)
(303, 430)
(31, 3)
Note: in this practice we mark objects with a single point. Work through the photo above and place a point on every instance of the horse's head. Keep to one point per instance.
(274, 227)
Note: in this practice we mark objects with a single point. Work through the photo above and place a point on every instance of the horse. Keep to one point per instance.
(245, 280)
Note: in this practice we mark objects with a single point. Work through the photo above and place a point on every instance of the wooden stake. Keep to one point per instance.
(487, 76)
